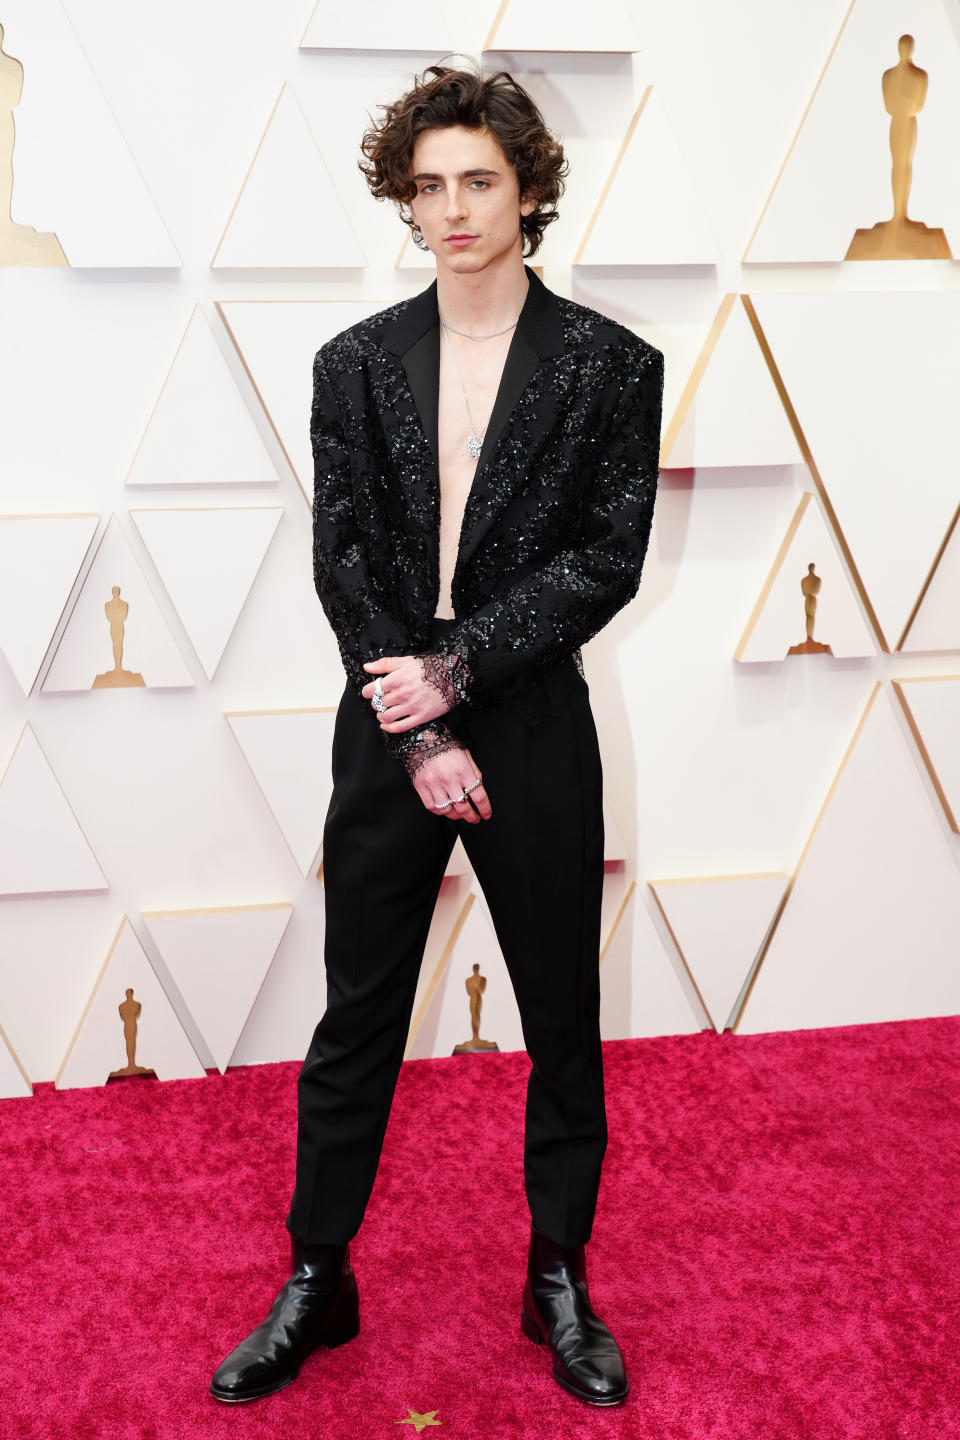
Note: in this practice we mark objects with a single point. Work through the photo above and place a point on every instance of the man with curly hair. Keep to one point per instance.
(485, 471)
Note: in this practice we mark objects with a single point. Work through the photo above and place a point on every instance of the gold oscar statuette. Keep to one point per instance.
(476, 984)
(904, 92)
(19, 244)
(810, 586)
(116, 612)
(130, 1013)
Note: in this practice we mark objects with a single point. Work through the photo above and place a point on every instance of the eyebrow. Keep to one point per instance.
(461, 174)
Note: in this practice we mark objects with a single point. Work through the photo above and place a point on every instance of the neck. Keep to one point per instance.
(485, 301)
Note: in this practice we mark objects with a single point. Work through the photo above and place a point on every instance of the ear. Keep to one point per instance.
(528, 203)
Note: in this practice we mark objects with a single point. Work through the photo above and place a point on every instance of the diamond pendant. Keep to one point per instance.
(474, 446)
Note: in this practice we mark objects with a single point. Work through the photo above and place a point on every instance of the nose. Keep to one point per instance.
(456, 204)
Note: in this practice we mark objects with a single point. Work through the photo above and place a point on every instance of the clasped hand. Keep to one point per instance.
(409, 698)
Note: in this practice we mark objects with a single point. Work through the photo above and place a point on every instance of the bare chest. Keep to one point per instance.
(469, 381)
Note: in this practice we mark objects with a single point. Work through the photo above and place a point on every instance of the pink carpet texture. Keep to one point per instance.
(777, 1250)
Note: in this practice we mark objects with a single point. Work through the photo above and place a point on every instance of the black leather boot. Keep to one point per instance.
(316, 1306)
(557, 1311)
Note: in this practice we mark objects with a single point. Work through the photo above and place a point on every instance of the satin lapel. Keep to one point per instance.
(518, 368)
(422, 365)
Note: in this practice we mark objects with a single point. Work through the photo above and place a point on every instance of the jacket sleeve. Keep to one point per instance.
(349, 592)
(556, 608)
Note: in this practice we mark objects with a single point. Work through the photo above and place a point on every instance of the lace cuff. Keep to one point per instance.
(414, 748)
(448, 674)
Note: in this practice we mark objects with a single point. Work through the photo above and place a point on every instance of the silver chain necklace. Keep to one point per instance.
(493, 333)
(474, 441)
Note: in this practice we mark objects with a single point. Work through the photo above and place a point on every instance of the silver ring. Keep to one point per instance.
(472, 786)
(444, 806)
(460, 798)
(378, 703)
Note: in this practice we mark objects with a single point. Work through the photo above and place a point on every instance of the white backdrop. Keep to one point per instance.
(145, 378)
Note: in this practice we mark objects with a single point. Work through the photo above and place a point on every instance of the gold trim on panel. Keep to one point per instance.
(247, 175)
(495, 25)
(803, 121)
(811, 464)
(652, 884)
(610, 178)
(616, 921)
(708, 880)
(924, 752)
(219, 304)
(437, 975)
(695, 377)
(804, 853)
(306, 28)
(933, 570)
(5, 1041)
(771, 579)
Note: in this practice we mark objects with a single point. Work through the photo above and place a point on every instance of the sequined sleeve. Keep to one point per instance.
(555, 608)
(352, 601)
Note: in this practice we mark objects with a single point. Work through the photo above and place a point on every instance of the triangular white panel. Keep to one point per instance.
(42, 848)
(86, 648)
(936, 625)
(673, 229)
(208, 560)
(447, 1020)
(281, 748)
(74, 173)
(98, 1046)
(869, 930)
(640, 991)
(277, 341)
(433, 27)
(602, 26)
(873, 377)
(933, 708)
(719, 923)
(779, 619)
(219, 960)
(730, 412)
(836, 177)
(288, 212)
(14, 1080)
(200, 432)
(40, 558)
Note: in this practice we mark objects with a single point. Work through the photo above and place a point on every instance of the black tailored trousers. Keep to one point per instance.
(539, 862)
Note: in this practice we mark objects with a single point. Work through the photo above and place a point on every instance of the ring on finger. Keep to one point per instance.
(472, 786)
(377, 698)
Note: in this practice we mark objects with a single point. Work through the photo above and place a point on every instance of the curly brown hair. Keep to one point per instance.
(443, 96)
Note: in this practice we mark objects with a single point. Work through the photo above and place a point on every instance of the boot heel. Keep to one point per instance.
(529, 1329)
(344, 1325)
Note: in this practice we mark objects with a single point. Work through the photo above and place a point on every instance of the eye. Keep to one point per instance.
(429, 188)
(484, 184)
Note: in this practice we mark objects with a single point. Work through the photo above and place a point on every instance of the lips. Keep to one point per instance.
(460, 240)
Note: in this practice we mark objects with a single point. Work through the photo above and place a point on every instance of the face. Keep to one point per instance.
(468, 203)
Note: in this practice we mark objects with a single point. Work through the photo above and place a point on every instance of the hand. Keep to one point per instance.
(444, 777)
(409, 697)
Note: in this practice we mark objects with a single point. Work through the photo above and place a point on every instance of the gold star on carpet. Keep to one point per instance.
(429, 1417)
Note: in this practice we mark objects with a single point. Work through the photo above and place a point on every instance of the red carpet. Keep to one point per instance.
(777, 1250)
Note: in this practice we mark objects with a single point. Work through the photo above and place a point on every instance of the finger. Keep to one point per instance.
(385, 664)
(465, 811)
(478, 797)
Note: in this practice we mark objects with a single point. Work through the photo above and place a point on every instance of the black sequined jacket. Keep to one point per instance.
(556, 524)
